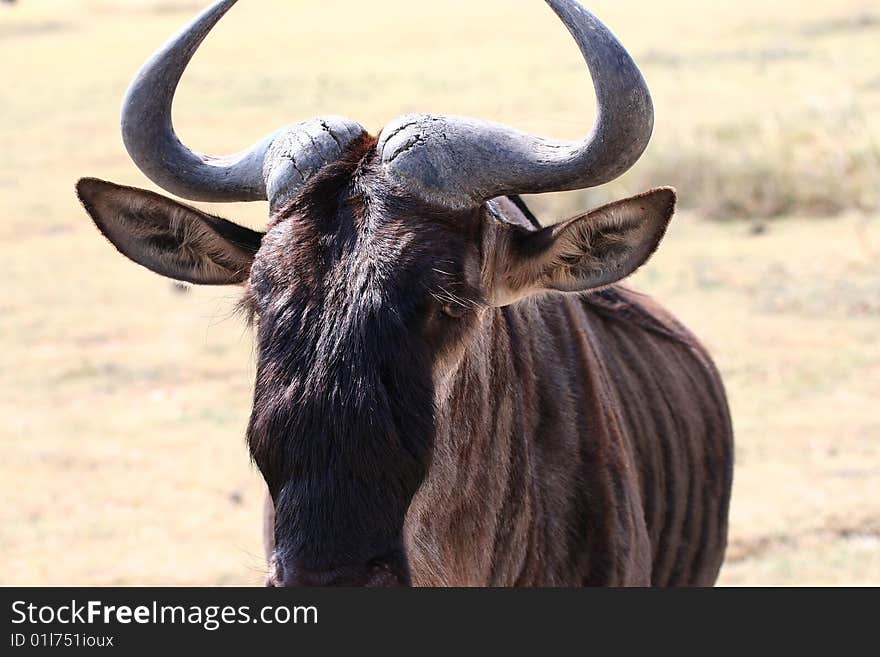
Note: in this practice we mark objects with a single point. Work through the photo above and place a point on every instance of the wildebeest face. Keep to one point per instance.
(357, 293)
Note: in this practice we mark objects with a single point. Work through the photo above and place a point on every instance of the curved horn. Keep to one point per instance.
(461, 162)
(272, 169)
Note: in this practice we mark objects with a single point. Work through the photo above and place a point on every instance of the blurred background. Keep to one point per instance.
(125, 398)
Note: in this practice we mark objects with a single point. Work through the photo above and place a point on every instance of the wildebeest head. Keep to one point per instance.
(381, 258)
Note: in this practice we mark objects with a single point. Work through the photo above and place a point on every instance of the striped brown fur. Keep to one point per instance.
(604, 452)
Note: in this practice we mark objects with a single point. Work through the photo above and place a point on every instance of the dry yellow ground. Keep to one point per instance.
(124, 401)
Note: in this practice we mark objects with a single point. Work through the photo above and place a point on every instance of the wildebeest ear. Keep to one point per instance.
(587, 252)
(170, 238)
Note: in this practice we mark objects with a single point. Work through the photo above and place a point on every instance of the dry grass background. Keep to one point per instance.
(124, 401)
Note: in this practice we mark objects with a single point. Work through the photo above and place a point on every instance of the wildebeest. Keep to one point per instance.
(447, 393)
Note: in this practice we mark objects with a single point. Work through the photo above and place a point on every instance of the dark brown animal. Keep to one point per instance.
(448, 393)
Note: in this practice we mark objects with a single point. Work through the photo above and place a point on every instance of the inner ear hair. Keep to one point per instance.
(592, 250)
(170, 238)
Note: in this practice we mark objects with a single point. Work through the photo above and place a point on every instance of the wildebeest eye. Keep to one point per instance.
(454, 310)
